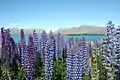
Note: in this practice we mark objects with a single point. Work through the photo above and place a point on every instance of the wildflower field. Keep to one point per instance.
(52, 57)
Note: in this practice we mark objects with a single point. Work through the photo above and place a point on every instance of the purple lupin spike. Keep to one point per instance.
(24, 50)
(111, 47)
(69, 63)
(43, 43)
(35, 41)
(49, 57)
(30, 59)
(3, 37)
(85, 53)
(70, 42)
(59, 46)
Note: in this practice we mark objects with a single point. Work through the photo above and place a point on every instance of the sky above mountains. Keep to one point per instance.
(55, 14)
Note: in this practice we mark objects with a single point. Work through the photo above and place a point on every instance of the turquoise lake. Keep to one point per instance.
(89, 38)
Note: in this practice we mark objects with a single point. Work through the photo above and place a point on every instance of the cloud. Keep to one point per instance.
(13, 24)
(48, 29)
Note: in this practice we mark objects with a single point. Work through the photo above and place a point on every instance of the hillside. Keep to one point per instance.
(84, 29)
(16, 31)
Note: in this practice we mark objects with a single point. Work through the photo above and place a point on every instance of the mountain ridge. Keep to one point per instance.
(83, 29)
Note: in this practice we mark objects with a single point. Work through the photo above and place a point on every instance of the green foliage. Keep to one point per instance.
(60, 69)
(86, 77)
(21, 73)
(99, 71)
(8, 73)
(39, 73)
(103, 74)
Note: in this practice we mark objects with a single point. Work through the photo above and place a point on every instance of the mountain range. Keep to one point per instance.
(84, 29)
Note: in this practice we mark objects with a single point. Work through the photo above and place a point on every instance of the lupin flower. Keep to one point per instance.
(85, 53)
(90, 47)
(73, 69)
(104, 51)
(39, 47)
(35, 40)
(6, 38)
(70, 42)
(59, 46)
(75, 63)
(2, 41)
(117, 53)
(9, 41)
(9, 47)
(43, 43)
(53, 43)
(49, 57)
(69, 62)
(77, 57)
(111, 51)
(24, 50)
(118, 40)
(3, 36)
(79, 65)
(30, 59)
(24, 54)
(64, 46)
